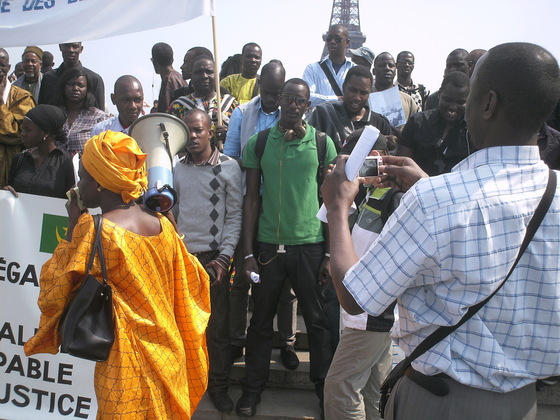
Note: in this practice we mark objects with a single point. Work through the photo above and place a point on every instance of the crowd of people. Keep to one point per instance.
(249, 188)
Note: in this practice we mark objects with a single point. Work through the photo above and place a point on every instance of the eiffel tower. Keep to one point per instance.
(347, 13)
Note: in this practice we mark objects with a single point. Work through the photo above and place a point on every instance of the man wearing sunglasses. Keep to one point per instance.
(282, 240)
(326, 77)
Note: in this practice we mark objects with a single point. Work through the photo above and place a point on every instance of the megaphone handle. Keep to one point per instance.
(166, 139)
(171, 190)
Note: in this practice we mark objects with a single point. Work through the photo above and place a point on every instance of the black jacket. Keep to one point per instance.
(49, 86)
(423, 133)
(331, 118)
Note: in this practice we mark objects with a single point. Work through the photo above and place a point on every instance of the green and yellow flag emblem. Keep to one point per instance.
(53, 231)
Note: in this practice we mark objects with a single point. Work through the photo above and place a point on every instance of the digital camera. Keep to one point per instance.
(370, 166)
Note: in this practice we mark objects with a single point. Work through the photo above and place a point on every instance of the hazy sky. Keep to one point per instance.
(291, 30)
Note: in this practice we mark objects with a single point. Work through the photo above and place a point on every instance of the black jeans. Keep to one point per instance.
(217, 332)
(239, 303)
(300, 265)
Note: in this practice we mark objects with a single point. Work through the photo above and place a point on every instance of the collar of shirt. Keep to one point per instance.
(365, 118)
(202, 100)
(120, 124)
(329, 61)
(6, 92)
(213, 160)
(240, 77)
(412, 88)
(62, 68)
(435, 120)
(24, 80)
(273, 113)
(374, 89)
(500, 155)
(56, 151)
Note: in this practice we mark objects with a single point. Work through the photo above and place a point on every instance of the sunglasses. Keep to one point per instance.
(329, 38)
(288, 99)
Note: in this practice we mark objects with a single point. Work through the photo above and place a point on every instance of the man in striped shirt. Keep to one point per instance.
(204, 98)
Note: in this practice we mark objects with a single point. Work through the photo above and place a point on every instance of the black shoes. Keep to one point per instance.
(247, 404)
(221, 401)
(289, 357)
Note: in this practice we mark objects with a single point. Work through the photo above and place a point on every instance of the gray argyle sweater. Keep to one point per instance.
(210, 205)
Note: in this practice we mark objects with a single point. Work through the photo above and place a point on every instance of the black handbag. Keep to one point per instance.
(87, 327)
(442, 332)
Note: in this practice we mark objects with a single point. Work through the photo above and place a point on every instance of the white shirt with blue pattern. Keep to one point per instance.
(451, 243)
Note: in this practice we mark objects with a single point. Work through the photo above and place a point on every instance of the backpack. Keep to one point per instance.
(388, 203)
(392, 197)
(320, 140)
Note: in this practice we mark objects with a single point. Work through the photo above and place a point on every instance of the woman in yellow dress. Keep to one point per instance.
(158, 366)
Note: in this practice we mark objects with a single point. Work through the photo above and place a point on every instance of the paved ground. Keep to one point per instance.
(548, 412)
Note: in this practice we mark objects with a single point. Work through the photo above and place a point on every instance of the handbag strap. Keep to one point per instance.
(532, 228)
(97, 248)
(330, 77)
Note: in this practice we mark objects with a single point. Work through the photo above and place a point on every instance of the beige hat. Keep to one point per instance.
(35, 50)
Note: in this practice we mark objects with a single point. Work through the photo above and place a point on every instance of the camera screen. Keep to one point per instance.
(370, 167)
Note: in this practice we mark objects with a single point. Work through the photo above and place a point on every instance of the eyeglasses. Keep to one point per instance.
(329, 38)
(288, 99)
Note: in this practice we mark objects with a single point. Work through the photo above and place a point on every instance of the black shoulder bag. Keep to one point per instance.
(442, 332)
(87, 327)
(331, 79)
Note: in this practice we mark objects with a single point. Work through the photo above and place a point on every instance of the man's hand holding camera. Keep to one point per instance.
(398, 172)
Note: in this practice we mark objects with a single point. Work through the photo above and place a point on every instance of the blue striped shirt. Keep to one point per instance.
(451, 243)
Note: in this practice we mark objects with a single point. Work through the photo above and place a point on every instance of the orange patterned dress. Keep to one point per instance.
(158, 366)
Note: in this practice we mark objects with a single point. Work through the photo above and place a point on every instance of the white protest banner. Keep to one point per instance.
(43, 386)
(32, 22)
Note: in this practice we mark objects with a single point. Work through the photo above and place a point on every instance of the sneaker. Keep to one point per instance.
(221, 401)
(289, 357)
(247, 404)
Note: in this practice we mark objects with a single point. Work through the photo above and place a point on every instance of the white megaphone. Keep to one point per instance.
(161, 137)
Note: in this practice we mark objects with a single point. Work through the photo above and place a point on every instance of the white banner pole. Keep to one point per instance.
(216, 69)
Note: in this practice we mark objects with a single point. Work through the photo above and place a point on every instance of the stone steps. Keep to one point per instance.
(280, 377)
(289, 394)
(550, 396)
(277, 404)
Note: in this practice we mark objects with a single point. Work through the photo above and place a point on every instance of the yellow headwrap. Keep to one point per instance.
(116, 162)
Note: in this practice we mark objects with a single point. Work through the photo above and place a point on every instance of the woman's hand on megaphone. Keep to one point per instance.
(74, 212)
